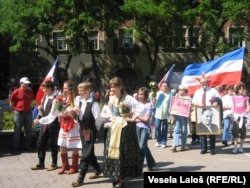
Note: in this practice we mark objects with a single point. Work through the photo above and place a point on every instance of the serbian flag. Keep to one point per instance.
(50, 76)
(167, 77)
(225, 70)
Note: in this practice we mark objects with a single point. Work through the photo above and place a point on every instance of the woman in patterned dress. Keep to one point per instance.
(122, 152)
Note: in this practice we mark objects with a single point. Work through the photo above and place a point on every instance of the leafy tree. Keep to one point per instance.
(26, 20)
(82, 20)
(23, 21)
(212, 17)
(150, 21)
(156, 20)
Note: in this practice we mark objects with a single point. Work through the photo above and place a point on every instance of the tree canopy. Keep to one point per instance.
(24, 21)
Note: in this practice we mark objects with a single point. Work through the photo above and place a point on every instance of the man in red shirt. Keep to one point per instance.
(21, 102)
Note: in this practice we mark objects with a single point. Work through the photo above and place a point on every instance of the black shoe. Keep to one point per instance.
(203, 152)
(212, 152)
(225, 143)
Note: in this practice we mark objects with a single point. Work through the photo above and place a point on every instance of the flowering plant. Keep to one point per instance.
(60, 104)
(153, 88)
(124, 110)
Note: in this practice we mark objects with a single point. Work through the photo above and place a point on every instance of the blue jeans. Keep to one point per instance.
(161, 130)
(180, 131)
(22, 119)
(142, 135)
(226, 125)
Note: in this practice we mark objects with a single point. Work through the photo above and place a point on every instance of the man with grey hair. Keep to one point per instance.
(203, 97)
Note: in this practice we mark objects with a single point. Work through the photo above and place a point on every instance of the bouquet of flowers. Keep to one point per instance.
(124, 110)
(60, 103)
(153, 88)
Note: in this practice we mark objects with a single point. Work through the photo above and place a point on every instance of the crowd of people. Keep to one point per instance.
(71, 120)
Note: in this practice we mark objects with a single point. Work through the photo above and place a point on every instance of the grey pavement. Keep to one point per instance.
(15, 170)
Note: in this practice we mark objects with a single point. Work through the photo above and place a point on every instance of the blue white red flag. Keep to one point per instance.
(225, 70)
(50, 76)
(167, 77)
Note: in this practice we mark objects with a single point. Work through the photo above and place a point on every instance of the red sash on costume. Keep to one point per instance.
(67, 123)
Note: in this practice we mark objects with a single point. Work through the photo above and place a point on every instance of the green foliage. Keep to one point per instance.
(8, 123)
(101, 105)
(154, 21)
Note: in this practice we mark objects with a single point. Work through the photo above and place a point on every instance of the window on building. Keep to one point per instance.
(175, 38)
(32, 46)
(180, 37)
(94, 40)
(169, 41)
(92, 43)
(126, 38)
(59, 41)
(236, 36)
(194, 37)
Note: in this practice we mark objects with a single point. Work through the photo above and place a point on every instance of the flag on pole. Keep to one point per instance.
(224, 70)
(167, 77)
(50, 76)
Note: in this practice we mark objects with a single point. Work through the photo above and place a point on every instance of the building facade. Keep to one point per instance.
(123, 56)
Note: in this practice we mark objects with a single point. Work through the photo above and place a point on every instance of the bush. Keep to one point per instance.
(8, 121)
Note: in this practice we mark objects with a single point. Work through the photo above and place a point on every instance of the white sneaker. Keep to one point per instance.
(157, 145)
(163, 146)
(235, 150)
(241, 150)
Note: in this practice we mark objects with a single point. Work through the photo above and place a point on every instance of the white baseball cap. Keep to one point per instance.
(25, 80)
(183, 87)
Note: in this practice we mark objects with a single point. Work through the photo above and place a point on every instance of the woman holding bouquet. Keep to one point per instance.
(69, 136)
(65, 108)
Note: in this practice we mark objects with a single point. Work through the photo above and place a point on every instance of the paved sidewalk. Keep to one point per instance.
(15, 169)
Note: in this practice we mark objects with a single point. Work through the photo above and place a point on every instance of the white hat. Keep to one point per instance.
(183, 87)
(25, 80)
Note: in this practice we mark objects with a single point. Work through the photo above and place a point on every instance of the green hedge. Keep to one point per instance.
(8, 121)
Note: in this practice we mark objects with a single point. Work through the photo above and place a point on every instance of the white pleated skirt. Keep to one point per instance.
(70, 139)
